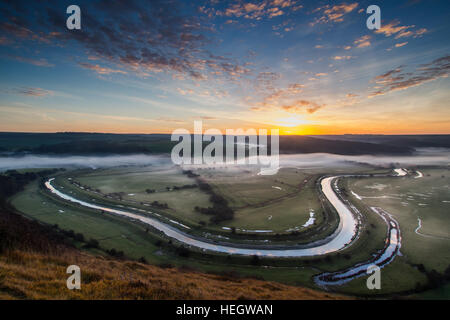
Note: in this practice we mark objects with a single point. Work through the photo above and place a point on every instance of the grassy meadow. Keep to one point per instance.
(407, 199)
(288, 207)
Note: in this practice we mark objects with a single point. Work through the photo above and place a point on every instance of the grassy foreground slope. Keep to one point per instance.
(33, 262)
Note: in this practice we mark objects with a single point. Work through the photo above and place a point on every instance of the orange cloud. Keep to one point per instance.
(334, 13)
(342, 57)
(296, 106)
(393, 28)
(254, 11)
(100, 70)
(185, 92)
(362, 42)
(300, 106)
(398, 45)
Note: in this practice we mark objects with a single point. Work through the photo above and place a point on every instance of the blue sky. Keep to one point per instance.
(306, 67)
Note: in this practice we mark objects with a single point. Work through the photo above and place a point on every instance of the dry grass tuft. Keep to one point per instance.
(33, 275)
(33, 263)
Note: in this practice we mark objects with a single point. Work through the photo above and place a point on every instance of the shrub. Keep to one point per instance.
(255, 260)
(92, 243)
(183, 252)
(79, 237)
(142, 260)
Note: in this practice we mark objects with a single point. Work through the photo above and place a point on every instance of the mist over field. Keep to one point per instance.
(426, 156)
(45, 161)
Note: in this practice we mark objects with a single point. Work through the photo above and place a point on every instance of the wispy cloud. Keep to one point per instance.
(185, 91)
(255, 11)
(278, 95)
(342, 57)
(172, 120)
(409, 33)
(33, 92)
(146, 37)
(100, 70)
(208, 118)
(399, 79)
(297, 106)
(398, 45)
(394, 28)
(362, 42)
(300, 106)
(36, 62)
(16, 29)
(334, 13)
(266, 80)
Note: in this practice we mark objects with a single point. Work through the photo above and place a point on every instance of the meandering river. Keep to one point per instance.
(342, 237)
(338, 240)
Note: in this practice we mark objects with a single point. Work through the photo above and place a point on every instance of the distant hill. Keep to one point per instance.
(104, 143)
(412, 141)
(305, 144)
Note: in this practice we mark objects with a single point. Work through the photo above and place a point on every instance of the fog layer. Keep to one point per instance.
(313, 160)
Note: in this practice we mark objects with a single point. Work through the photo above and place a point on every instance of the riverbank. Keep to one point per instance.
(337, 241)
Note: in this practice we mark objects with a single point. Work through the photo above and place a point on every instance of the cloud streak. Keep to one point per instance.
(399, 79)
(36, 62)
(399, 31)
(253, 11)
(334, 13)
(300, 106)
(362, 42)
(33, 92)
(100, 70)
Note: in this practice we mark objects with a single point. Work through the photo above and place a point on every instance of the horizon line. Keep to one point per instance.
(161, 133)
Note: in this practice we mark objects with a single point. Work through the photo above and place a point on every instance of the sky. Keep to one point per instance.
(303, 67)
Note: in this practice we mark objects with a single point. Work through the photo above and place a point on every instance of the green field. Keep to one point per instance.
(402, 197)
(407, 199)
(133, 183)
(277, 203)
(121, 234)
(110, 231)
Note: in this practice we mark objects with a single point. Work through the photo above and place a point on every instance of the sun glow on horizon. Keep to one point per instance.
(291, 122)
